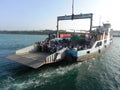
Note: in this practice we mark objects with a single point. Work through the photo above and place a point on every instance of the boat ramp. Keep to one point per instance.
(34, 59)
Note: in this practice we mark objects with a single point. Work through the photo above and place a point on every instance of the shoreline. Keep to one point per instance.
(42, 32)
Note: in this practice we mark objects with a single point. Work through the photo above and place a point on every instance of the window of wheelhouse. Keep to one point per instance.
(98, 44)
(105, 41)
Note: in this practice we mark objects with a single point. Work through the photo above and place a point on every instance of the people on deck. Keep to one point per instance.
(54, 45)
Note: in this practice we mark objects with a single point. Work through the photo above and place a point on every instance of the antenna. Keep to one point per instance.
(72, 9)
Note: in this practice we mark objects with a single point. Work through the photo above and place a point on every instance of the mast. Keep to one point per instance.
(72, 9)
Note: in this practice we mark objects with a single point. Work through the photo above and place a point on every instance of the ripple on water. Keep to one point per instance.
(101, 73)
(38, 79)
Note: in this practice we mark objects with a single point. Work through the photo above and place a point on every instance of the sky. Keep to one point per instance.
(42, 14)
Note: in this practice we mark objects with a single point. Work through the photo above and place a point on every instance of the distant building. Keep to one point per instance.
(116, 33)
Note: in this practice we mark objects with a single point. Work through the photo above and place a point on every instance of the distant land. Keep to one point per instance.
(45, 32)
(40, 32)
(116, 33)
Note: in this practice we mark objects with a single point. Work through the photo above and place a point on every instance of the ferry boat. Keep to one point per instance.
(70, 47)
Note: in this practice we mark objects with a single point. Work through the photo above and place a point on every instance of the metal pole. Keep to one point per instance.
(91, 22)
(72, 9)
(57, 34)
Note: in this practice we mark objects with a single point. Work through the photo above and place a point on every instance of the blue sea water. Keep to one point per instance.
(101, 73)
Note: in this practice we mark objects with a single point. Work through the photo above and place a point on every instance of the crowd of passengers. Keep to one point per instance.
(51, 46)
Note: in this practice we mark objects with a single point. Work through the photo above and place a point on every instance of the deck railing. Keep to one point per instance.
(57, 56)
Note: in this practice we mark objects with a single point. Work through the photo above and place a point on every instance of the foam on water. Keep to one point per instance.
(43, 77)
(39, 79)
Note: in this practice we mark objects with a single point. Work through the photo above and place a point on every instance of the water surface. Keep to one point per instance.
(101, 73)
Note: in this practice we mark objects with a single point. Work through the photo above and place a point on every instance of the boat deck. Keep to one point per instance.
(34, 60)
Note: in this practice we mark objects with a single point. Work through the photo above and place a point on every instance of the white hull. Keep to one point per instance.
(91, 53)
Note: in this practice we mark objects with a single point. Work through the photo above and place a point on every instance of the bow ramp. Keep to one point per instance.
(30, 57)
